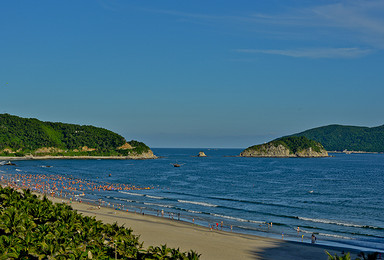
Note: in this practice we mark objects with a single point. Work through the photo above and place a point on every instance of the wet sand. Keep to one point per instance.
(211, 244)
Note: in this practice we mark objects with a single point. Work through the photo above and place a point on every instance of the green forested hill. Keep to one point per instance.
(19, 136)
(351, 138)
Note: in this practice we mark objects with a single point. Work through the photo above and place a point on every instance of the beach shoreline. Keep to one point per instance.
(50, 157)
(210, 243)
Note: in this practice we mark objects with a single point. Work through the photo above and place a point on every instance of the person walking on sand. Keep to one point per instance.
(313, 239)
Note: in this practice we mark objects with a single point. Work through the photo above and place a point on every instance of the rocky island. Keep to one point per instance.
(287, 147)
(30, 138)
(201, 154)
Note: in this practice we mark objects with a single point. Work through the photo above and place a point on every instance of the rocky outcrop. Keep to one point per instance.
(201, 154)
(267, 150)
(281, 149)
(146, 155)
(310, 153)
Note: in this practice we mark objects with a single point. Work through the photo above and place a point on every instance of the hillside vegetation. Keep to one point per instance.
(287, 147)
(352, 138)
(22, 136)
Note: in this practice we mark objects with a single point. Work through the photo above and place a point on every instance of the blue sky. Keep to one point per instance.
(194, 73)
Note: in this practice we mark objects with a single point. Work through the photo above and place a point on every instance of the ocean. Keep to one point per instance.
(340, 199)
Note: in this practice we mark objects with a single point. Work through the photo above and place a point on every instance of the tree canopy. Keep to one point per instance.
(352, 138)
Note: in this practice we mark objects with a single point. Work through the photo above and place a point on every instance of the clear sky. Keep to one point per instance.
(194, 73)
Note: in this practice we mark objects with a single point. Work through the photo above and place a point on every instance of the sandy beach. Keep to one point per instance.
(54, 157)
(211, 244)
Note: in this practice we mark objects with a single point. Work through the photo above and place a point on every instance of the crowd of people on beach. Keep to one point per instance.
(73, 189)
(61, 185)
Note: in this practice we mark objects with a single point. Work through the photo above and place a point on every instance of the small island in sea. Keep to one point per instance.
(30, 138)
(287, 147)
(201, 154)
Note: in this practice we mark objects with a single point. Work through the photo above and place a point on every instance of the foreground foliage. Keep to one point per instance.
(20, 136)
(33, 228)
(347, 256)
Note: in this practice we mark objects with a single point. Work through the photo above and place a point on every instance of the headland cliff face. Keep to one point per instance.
(286, 148)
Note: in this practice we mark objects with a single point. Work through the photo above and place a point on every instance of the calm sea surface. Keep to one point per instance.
(340, 199)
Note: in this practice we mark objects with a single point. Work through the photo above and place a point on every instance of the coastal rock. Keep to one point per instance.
(310, 153)
(287, 147)
(201, 154)
(146, 155)
(267, 150)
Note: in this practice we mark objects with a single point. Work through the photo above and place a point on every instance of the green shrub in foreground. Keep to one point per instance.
(33, 228)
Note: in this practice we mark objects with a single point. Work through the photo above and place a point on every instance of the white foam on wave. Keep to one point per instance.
(130, 193)
(158, 205)
(123, 199)
(335, 236)
(195, 212)
(155, 197)
(324, 234)
(198, 203)
(237, 219)
(327, 221)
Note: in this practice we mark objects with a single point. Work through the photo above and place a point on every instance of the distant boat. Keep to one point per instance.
(176, 164)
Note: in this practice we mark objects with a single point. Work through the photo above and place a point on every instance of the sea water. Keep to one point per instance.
(340, 199)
